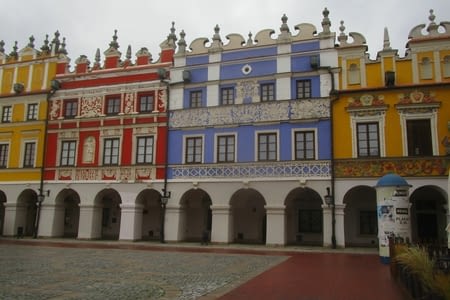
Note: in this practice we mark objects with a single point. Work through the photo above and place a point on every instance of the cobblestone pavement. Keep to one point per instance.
(39, 272)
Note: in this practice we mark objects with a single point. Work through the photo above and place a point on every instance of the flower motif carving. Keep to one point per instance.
(91, 106)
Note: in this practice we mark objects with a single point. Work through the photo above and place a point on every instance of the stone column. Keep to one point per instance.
(276, 225)
(131, 221)
(339, 225)
(172, 221)
(327, 225)
(90, 226)
(221, 224)
(51, 221)
(10, 223)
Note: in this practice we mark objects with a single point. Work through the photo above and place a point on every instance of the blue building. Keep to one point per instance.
(249, 137)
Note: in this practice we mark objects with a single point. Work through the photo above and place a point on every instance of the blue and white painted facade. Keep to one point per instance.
(252, 196)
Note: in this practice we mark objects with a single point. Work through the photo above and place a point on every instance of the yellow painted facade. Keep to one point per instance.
(23, 111)
(391, 93)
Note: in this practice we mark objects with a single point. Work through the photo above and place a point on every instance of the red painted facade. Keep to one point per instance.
(109, 123)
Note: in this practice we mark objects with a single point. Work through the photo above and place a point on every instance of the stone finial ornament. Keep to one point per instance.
(55, 42)
(216, 44)
(432, 29)
(182, 43)
(285, 35)
(62, 49)
(342, 38)
(249, 40)
(128, 54)
(114, 44)
(326, 23)
(45, 47)
(14, 53)
(386, 40)
(2, 47)
(31, 43)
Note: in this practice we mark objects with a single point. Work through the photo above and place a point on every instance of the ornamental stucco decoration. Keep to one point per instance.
(310, 169)
(251, 113)
(416, 97)
(247, 91)
(129, 103)
(91, 106)
(55, 109)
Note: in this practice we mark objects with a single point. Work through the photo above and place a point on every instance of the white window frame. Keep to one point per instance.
(9, 152)
(432, 116)
(12, 112)
(102, 150)
(216, 145)
(185, 145)
(316, 144)
(135, 149)
(380, 119)
(257, 133)
(22, 151)
(60, 152)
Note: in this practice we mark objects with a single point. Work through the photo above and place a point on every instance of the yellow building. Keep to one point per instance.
(25, 86)
(392, 116)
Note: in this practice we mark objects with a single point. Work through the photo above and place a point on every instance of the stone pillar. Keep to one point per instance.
(171, 225)
(10, 223)
(131, 221)
(90, 226)
(276, 225)
(339, 225)
(393, 211)
(327, 225)
(51, 221)
(221, 224)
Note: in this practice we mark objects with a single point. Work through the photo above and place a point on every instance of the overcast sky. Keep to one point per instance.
(90, 24)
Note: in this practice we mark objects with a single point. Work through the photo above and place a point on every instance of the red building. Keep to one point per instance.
(106, 146)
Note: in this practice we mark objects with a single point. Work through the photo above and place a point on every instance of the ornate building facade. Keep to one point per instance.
(249, 155)
(25, 87)
(392, 116)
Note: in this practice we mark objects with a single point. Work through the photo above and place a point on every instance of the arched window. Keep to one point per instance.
(354, 76)
(426, 69)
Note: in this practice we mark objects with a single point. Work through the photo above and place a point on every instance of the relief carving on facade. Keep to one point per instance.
(247, 91)
(91, 106)
(274, 111)
(129, 106)
(162, 100)
(89, 150)
(55, 109)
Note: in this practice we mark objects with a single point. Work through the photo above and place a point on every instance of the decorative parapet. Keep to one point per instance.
(406, 166)
(274, 111)
(303, 169)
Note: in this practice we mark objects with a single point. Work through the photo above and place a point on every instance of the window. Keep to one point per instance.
(368, 139)
(4, 149)
(112, 106)
(304, 145)
(446, 66)
(146, 103)
(368, 222)
(225, 148)
(354, 76)
(419, 137)
(426, 69)
(303, 89)
(68, 149)
(144, 153)
(310, 220)
(267, 146)
(32, 111)
(195, 99)
(6, 114)
(227, 96)
(70, 108)
(193, 150)
(267, 92)
(29, 153)
(111, 152)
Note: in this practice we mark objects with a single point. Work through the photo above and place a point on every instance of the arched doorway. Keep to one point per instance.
(26, 212)
(428, 215)
(304, 217)
(360, 218)
(196, 216)
(109, 201)
(71, 204)
(2, 211)
(151, 214)
(249, 217)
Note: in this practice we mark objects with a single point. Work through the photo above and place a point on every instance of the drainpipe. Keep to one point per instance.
(54, 86)
(333, 96)
(166, 194)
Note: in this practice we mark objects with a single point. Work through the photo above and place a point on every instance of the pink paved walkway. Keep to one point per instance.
(322, 276)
